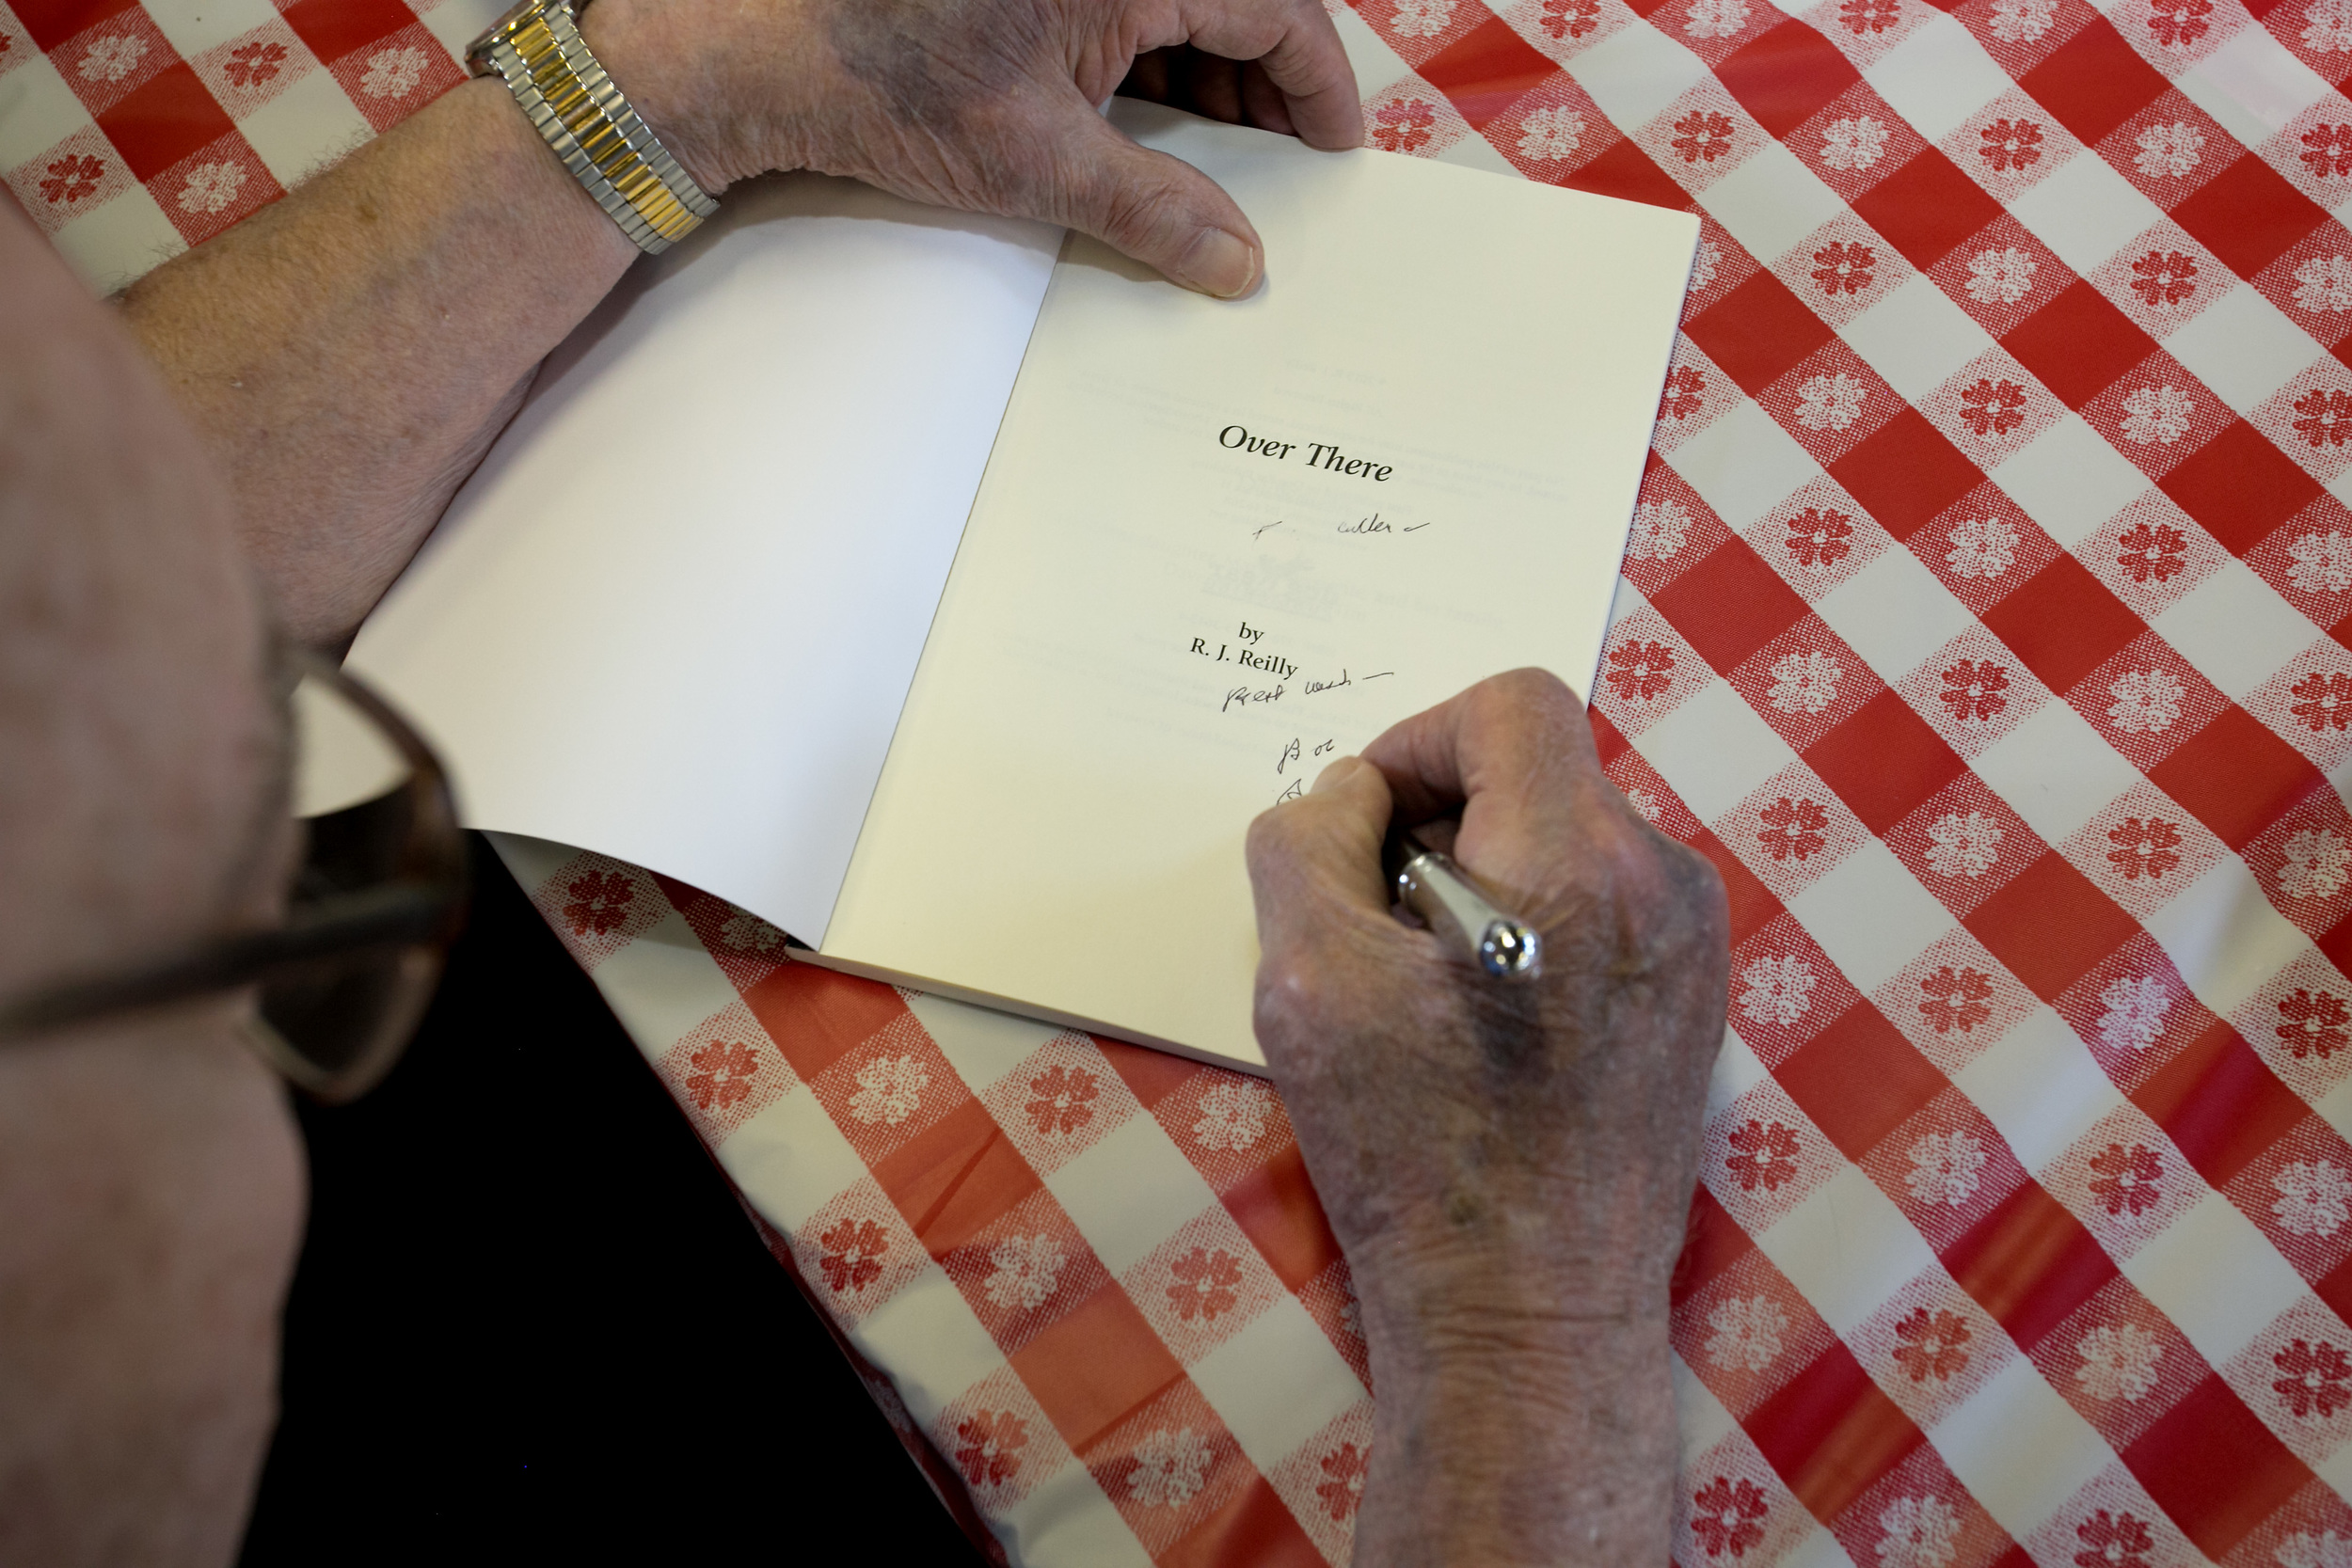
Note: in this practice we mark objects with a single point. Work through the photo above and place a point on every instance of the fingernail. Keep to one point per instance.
(1218, 263)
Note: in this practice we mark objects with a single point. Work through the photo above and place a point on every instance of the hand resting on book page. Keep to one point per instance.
(348, 353)
(1508, 1168)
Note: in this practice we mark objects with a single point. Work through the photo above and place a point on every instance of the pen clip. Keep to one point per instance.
(1428, 882)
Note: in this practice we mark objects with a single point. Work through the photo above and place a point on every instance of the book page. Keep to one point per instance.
(674, 614)
(1220, 543)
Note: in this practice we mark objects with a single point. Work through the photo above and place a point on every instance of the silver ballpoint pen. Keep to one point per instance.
(1433, 887)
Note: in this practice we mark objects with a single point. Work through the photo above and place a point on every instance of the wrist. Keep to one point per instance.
(672, 72)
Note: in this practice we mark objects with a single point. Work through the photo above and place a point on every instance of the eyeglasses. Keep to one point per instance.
(380, 896)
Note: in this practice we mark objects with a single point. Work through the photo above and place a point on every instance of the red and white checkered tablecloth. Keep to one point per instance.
(1988, 623)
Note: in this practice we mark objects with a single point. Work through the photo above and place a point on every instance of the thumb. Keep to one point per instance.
(1316, 859)
(1159, 210)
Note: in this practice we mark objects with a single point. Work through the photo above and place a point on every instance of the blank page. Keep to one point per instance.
(674, 614)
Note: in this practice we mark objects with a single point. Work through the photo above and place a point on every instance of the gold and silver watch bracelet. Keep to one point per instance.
(537, 51)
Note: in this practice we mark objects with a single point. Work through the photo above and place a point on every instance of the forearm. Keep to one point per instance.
(1488, 1456)
(348, 353)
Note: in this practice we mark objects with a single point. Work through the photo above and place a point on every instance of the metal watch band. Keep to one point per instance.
(537, 51)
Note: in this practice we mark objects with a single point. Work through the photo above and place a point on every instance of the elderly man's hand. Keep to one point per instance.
(984, 104)
(1508, 1167)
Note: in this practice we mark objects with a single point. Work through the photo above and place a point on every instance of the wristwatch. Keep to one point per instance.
(537, 49)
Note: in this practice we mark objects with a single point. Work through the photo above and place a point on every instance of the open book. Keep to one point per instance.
(956, 608)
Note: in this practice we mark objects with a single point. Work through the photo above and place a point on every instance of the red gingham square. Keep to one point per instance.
(2119, 1362)
(1842, 269)
(80, 174)
(2151, 554)
(1554, 131)
(2309, 702)
(1784, 74)
(1983, 547)
(2168, 149)
(2295, 1192)
(1930, 1347)
(1818, 538)
(1784, 991)
(1758, 332)
(1973, 691)
(1486, 71)
(2311, 282)
(2079, 344)
(1906, 473)
(2001, 275)
(1646, 672)
(2297, 1377)
(1024, 1270)
(2094, 82)
(2300, 1023)
(1805, 682)
(1992, 408)
(1733, 1505)
(1831, 402)
(1919, 1506)
(1855, 140)
(1925, 208)
(2240, 486)
(2009, 145)
(1746, 1331)
(2309, 419)
(2021, 34)
(724, 1072)
(2249, 214)
(1954, 1000)
(1791, 832)
(2142, 850)
(1695, 394)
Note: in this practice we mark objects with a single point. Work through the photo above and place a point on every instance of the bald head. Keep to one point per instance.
(149, 1173)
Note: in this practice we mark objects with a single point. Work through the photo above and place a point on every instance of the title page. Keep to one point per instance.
(1220, 544)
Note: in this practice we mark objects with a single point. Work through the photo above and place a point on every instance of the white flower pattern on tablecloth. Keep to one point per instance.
(1659, 530)
(1747, 1333)
(1776, 991)
(1857, 141)
(1703, 268)
(2320, 562)
(1552, 133)
(393, 72)
(2132, 1012)
(1715, 19)
(1946, 1168)
(1644, 805)
(2119, 1362)
(211, 188)
(1170, 1468)
(1963, 844)
(1829, 402)
(888, 1090)
(1232, 1115)
(2168, 149)
(2324, 283)
(1982, 547)
(1918, 1532)
(1025, 1272)
(2315, 1197)
(1804, 683)
(2328, 26)
(2001, 276)
(2156, 415)
(2147, 702)
(2303, 1549)
(2317, 863)
(2022, 20)
(748, 933)
(1421, 18)
(110, 59)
